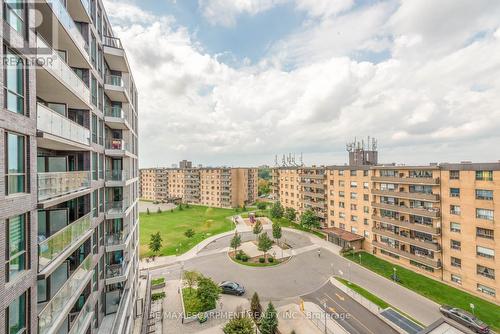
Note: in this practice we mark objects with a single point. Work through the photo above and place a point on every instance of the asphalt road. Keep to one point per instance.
(352, 316)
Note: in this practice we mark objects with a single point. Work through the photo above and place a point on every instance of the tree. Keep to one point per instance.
(264, 173)
(277, 231)
(290, 214)
(261, 205)
(257, 229)
(189, 233)
(277, 210)
(269, 321)
(255, 307)
(208, 293)
(309, 220)
(265, 244)
(155, 242)
(264, 187)
(242, 325)
(147, 211)
(236, 242)
(191, 277)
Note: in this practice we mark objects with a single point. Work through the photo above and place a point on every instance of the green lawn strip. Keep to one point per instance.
(286, 223)
(192, 305)
(257, 264)
(205, 221)
(434, 290)
(374, 299)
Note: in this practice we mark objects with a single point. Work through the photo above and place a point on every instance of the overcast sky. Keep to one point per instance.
(234, 82)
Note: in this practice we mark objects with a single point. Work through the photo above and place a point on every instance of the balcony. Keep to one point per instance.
(58, 82)
(412, 241)
(117, 88)
(57, 184)
(80, 10)
(312, 176)
(431, 213)
(116, 209)
(82, 322)
(115, 55)
(116, 273)
(406, 224)
(58, 307)
(434, 263)
(68, 35)
(63, 240)
(118, 178)
(118, 148)
(312, 185)
(57, 132)
(117, 118)
(407, 195)
(314, 194)
(406, 180)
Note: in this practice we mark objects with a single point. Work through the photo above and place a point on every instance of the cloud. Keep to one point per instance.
(421, 104)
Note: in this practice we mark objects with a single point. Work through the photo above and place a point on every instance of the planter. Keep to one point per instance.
(158, 286)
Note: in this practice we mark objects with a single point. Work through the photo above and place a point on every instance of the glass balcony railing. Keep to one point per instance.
(116, 175)
(113, 42)
(52, 247)
(67, 22)
(115, 80)
(86, 5)
(116, 207)
(63, 71)
(83, 320)
(113, 111)
(56, 124)
(56, 184)
(116, 270)
(113, 239)
(54, 309)
(117, 144)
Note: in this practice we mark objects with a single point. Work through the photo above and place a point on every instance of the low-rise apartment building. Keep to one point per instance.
(438, 220)
(68, 171)
(217, 187)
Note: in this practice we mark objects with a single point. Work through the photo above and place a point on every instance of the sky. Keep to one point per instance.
(237, 82)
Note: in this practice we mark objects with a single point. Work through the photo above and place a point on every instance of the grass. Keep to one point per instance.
(374, 299)
(286, 223)
(257, 264)
(203, 220)
(158, 281)
(158, 296)
(434, 290)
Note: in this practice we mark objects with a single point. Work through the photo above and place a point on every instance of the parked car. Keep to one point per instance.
(232, 288)
(464, 318)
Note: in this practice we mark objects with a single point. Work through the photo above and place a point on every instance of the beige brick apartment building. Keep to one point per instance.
(438, 220)
(216, 187)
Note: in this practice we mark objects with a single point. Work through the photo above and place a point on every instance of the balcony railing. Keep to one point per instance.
(116, 270)
(59, 68)
(67, 21)
(117, 144)
(408, 195)
(406, 180)
(418, 211)
(54, 309)
(113, 42)
(434, 246)
(113, 239)
(406, 224)
(117, 175)
(56, 184)
(116, 207)
(52, 247)
(116, 80)
(435, 263)
(83, 320)
(56, 124)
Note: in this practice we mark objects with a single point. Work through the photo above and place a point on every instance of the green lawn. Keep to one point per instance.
(286, 223)
(439, 292)
(203, 220)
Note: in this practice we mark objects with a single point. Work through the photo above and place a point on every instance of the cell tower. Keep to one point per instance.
(361, 153)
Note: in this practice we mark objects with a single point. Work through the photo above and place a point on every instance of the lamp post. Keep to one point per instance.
(324, 307)
(394, 274)
(360, 258)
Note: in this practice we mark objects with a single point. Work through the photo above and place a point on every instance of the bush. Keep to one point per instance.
(262, 260)
(270, 260)
(261, 205)
(158, 281)
(158, 296)
(244, 258)
(238, 256)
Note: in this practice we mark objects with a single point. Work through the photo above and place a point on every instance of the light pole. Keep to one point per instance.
(394, 274)
(324, 306)
(360, 258)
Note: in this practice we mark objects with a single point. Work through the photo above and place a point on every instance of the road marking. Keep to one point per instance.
(340, 297)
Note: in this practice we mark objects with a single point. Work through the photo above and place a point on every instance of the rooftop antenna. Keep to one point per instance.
(276, 160)
(283, 161)
(301, 160)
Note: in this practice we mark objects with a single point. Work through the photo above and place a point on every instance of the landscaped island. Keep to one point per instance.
(173, 225)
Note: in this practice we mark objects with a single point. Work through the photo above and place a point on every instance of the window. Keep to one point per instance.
(366, 234)
(366, 209)
(484, 194)
(455, 209)
(366, 185)
(354, 230)
(366, 197)
(456, 279)
(15, 173)
(354, 184)
(454, 192)
(341, 183)
(454, 244)
(455, 227)
(16, 315)
(486, 290)
(342, 226)
(16, 243)
(341, 194)
(485, 233)
(94, 166)
(485, 271)
(14, 14)
(354, 195)
(341, 172)
(341, 215)
(485, 252)
(365, 173)
(353, 173)
(454, 174)
(455, 262)
(354, 207)
(365, 221)
(484, 175)
(354, 218)
(484, 214)
(13, 82)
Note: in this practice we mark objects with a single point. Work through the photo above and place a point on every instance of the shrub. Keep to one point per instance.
(262, 260)
(158, 281)
(189, 233)
(238, 256)
(244, 258)
(270, 260)
(158, 296)
(261, 205)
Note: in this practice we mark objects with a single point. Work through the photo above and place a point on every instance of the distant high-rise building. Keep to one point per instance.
(185, 164)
